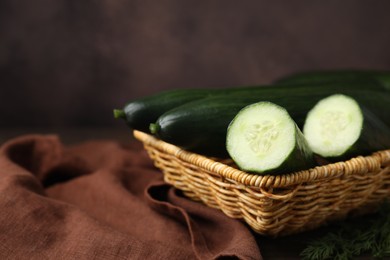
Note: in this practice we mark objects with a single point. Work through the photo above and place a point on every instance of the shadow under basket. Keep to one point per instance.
(276, 205)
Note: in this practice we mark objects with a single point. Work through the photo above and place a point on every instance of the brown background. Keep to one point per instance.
(69, 62)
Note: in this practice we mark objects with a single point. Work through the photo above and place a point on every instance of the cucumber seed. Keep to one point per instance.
(261, 136)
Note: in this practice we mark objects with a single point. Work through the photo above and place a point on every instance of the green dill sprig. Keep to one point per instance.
(368, 235)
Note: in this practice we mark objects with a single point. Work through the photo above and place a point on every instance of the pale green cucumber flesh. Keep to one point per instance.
(262, 138)
(334, 125)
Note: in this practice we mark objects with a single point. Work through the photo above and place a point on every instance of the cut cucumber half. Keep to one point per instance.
(337, 127)
(333, 125)
(263, 138)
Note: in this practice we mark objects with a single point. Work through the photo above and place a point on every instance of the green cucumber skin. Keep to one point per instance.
(200, 126)
(310, 77)
(139, 113)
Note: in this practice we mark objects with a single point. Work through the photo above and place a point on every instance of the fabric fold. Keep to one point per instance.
(104, 200)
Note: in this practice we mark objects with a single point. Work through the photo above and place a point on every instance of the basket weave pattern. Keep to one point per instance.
(275, 205)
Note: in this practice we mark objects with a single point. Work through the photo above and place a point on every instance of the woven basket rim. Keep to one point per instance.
(357, 165)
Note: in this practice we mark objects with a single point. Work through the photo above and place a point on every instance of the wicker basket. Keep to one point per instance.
(276, 205)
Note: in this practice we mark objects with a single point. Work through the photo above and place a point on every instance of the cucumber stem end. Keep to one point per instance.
(119, 113)
(154, 128)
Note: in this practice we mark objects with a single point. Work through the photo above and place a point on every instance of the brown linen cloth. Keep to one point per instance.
(103, 200)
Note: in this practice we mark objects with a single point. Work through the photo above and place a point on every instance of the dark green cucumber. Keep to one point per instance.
(200, 126)
(141, 112)
(338, 128)
(313, 77)
(263, 139)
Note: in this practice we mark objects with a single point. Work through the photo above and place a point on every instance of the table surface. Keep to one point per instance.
(288, 247)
